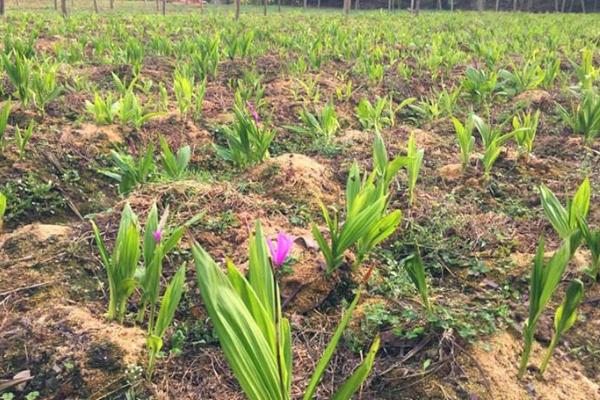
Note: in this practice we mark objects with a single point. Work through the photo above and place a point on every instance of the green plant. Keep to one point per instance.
(322, 126)
(131, 112)
(19, 74)
(519, 80)
(247, 142)
(158, 241)
(544, 279)
(174, 165)
(415, 269)
(2, 209)
(183, 87)
(254, 335)
(199, 93)
(22, 138)
(493, 139)
(168, 306)
(121, 265)
(564, 318)
(44, 86)
(592, 240)
(427, 109)
(465, 139)
(4, 114)
(584, 118)
(379, 115)
(564, 220)
(366, 222)
(105, 110)
(525, 128)
(586, 73)
(480, 85)
(413, 166)
(131, 172)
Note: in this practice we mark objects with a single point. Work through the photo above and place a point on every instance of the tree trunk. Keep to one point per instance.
(279, 5)
(497, 5)
(157, 5)
(305, 4)
(418, 5)
(346, 6)
(571, 6)
(555, 5)
(318, 3)
(514, 5)
(112, 4)
(237, 9)
(451, 5)
(164, 7)
(1, 7)
(96, 6)
(389, 5)
(357, 4)
(439, 4)
(583, 6)
(563, 5)
(265, 7)
(412, 6)
(480, 5)
(63, 8)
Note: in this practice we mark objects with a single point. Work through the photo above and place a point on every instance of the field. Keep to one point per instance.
(412, 163)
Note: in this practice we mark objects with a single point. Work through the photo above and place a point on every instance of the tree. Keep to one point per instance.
(265, 7)
(237, 9)
(346, 6)
(63, 8)
(164, 7)
(96, 6)
(1, 7)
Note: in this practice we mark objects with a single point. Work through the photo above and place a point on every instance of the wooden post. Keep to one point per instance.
(237, 9)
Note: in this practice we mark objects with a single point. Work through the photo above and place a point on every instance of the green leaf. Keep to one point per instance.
(352, 384)
(330, 349)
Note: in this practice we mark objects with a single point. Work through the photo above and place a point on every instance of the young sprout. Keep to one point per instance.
(592, 240)
(121, 265)
(22, 138)
(465, 139)
(525, 128)
(2, 209)
(4, 113)
(168, 306)
(413, 166)
(564, 318)
(175, 166)
(544, 279)
(413, 265)
(564, 220)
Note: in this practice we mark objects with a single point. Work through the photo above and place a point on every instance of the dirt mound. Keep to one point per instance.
(497, 360)
(99, 137)
(296, 178)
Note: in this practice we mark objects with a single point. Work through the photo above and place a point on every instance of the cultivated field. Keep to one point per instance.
(380, 182)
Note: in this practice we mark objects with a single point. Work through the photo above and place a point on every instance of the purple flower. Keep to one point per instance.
(253, 112)
(157, 235)
(280, 251)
